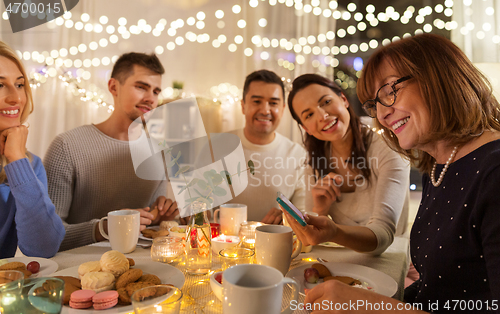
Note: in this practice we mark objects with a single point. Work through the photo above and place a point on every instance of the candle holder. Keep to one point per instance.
(247, 233)
(236, 256)
(11, 285)
(166, 249)
(215, 229)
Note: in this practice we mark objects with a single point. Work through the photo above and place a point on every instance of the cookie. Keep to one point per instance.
(148, 233)
(71, 280)
(13, 266)
(154, 212)
(123, 297)
(131, 262)
(127, 277)
(160, 233)
(322, 270)
(134, 286)
(150, 278)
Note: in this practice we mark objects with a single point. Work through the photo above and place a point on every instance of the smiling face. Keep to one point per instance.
(409, 117)
(12, 94)
(323, 114)
(138, 94)
(263, 108)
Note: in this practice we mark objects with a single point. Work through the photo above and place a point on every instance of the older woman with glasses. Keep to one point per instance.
(354, 177)
(441, 114)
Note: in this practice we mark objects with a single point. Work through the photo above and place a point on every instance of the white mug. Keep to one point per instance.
(274, 246)
(250, 289)
(123, 229)
(231, 217)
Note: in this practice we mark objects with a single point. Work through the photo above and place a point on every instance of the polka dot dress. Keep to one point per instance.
(455, 239)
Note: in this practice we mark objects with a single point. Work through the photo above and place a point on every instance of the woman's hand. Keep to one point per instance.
(13, 143)
(319, 229)
(325, 192)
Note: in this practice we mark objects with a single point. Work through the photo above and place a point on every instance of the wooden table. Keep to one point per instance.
(394, 262)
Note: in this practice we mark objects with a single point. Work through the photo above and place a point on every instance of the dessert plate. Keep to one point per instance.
(47, 266)
(167, 274)
(148, 239)
(370, 278)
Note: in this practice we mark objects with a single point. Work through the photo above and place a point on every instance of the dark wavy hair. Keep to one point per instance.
(459, 97)
(319, 149)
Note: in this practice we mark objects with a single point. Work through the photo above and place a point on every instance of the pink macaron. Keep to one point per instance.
(105, 300)
(81, 299)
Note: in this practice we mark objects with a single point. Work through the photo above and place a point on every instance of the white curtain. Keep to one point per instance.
(200, 66)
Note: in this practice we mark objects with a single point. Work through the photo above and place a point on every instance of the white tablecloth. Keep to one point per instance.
(393, 262)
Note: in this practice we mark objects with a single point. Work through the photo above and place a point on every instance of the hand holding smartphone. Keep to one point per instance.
(291, 209)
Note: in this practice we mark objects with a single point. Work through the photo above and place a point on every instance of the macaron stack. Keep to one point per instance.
(84, 299)
(81, 299)
(105, 300)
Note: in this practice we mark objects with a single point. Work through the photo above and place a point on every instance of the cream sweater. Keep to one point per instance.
(90, 174)
(382, 206)
(279, 166)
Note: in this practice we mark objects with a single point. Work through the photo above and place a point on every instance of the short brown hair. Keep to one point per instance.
(265, 76)
(458, 96)
(124, 66)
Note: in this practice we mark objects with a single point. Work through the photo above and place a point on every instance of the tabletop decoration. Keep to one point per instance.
(166, 249)
(11, 283)
(198, 241)
(236, 256)
(224, 242)
(247, 233)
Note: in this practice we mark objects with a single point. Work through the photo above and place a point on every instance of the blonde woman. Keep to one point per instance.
(27, 215)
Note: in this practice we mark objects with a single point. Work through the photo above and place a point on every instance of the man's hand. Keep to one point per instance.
(273, 217)
(167, 209)
(13, 143)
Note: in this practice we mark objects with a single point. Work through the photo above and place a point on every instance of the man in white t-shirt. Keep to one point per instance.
(279, 162)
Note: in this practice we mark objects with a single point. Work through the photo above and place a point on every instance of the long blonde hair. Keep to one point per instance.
(9, 53)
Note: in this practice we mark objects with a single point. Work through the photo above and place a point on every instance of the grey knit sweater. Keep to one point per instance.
(90, 174)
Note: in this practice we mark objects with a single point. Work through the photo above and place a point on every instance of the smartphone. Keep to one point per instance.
(291, 209)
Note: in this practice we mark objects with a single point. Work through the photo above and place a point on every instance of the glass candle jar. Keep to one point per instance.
(236, 256)
(247, 233)
(166, 249)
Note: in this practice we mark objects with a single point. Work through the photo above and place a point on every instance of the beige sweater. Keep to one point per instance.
(90, 174)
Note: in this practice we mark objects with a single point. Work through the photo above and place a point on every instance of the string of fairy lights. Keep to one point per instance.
(318, 49)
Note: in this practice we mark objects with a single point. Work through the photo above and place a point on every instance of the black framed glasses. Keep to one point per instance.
(386, 96)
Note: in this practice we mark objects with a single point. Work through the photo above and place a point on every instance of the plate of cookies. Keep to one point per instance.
(310, 275)
(114, 274)
(32, 267)
(161, 230)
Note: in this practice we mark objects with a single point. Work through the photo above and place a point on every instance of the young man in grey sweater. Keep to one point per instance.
(90, 170)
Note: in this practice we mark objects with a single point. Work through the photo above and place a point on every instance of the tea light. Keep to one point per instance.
(247, 233)
(166, 249)
(236, 256)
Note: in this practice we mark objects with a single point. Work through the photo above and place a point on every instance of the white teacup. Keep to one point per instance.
(123, 229)
(250, 289)
(274, 246)
(231, 217)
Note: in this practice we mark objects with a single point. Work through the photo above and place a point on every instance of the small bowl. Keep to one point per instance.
(216, 286)
(218, 245)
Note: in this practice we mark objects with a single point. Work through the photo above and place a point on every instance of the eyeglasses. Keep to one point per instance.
(386, 96)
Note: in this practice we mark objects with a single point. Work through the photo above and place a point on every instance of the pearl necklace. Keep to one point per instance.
(441, 175)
